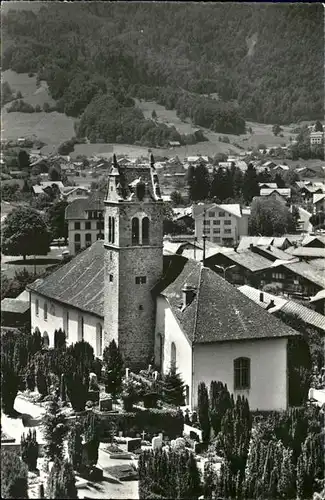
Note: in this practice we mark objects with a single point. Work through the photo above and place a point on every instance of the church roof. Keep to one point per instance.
(79, 283)
(219, 312)
(77, 208)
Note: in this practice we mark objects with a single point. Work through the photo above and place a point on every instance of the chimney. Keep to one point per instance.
(188, 294)
(261, 297)
(270, 305)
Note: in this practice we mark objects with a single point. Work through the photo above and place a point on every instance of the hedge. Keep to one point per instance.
(152, 421)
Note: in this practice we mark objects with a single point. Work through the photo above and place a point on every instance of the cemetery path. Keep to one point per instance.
(15, 427)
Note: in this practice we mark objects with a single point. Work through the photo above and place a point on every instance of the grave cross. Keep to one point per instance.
(143, 434)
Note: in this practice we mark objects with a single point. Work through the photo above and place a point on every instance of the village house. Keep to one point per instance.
(281, 242)
(180, 312)
(319, 202)
(316, 138)
(45, 187)
(295, 278)
(85, 217)
(318, 302)
(71, 193)
(273, 303)
(280, 194)
(221, 223)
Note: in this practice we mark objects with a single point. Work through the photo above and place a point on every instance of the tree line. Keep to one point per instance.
(235, 53)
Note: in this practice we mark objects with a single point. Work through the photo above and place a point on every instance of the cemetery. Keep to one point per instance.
(74, 426)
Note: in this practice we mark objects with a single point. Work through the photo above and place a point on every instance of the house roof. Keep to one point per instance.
(77, 208)
(309, 316)
(318, 263)
(307, 252)
(319, 296)
(231, 208)
(304, 270)
(246, 241)
(311, 239)
(219, 312)
(285, 192)
(318, 197)
(247, 259)
(79, 283)
(274, 253)
(14, 306)
(270, 185)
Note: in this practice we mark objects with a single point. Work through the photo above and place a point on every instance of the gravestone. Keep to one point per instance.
(127, 370)
(105, 404)
(180, 442)
(156, 443)
(120, 434)
(133, 444)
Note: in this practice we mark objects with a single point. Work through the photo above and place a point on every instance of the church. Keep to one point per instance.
(161, 309)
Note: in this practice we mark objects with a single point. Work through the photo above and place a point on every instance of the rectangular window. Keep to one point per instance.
(216, 230)
(88, 225)
(222, 214)
(111, 278)
(212, 214)
(216, 222)
(77, 225)
(206, 222)
(67, 324)
(241, 373)
(216, 239)
(227, 231)
(100, 225)
(227, 222)
(36, 307)
(45, 311)
(140, 280)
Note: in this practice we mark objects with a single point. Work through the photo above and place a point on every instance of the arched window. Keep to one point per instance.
(99, 339)
(242, 368)
(173, 354)
(88, 239)
(111, 229)
(45, 311)
(160, 351)
(46, 340)
(135, 231)
(145, 231)
(77, 237)
(36, 307)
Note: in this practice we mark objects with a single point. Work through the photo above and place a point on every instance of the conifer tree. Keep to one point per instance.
(209, 481)
(75, 445)
(203, 411)
(54, 424)
(114, 368)
(29, 449)
(173, 387)
(61, 481)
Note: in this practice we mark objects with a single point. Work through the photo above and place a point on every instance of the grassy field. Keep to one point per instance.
(261, 133)
(51, 128)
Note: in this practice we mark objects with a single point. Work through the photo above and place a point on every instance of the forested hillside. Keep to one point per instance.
(265, 60)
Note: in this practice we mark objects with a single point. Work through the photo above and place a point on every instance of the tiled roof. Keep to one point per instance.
(310, 239)
(219, 312)
(308, 252)
(274, 253)
(247, 259)
(77, 208)
(246, 241)
(79, 283)
(14, 306)
(307, 315)
(306, 271)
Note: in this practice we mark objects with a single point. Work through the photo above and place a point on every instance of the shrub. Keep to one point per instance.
(153, 420)
(14, 483)
(61, 482)
(75, 445)
(55, 428)
(114, 368)
(29, 449)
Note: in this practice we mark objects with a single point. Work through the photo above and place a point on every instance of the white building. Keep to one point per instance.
(85, 222)
(316, 138)
(223, 224)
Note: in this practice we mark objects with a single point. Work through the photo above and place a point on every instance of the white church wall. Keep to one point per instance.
(169, 328)
(268, 377)
(57, 317)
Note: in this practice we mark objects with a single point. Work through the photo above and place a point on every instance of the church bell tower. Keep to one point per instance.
(133, 259)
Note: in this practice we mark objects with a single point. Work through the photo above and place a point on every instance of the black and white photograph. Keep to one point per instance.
(162, 250)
